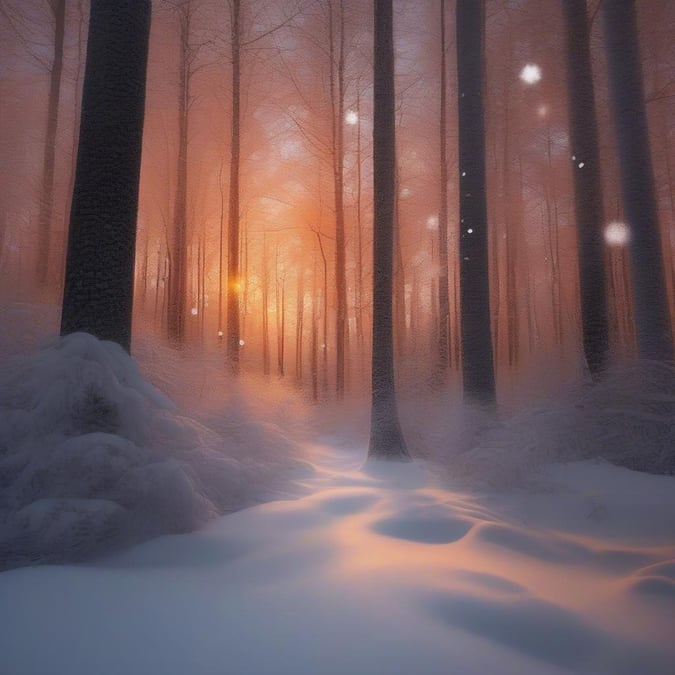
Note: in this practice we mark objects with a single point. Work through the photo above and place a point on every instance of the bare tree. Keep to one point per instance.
(240, 43)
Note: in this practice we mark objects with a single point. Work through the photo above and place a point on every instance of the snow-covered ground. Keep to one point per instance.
(376, 570)
(490, 557)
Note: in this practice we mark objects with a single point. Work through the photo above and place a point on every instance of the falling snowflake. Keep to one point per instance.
(531, 73)
(617, 234)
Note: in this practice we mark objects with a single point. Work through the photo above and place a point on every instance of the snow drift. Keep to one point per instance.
(93, 457)
(628, 419)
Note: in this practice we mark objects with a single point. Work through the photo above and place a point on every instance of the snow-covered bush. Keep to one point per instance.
(93, 457)
(627, 419)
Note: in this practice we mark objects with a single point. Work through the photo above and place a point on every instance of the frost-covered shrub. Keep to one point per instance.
(93, 457)
(629, 419)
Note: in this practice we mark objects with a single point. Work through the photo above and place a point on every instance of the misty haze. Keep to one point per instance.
(337, 337)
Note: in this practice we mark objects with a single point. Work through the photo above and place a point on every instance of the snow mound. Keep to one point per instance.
(93, 457)
(627, 419)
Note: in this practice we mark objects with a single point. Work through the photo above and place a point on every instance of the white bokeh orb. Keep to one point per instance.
(531, 73)
(617, 234)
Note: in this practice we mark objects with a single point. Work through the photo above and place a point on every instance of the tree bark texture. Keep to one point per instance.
(386, 438)
(585, 157)
(98, 292)
(178, 272)
(477, 361)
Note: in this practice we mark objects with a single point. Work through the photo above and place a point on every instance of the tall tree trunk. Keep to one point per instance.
(587, 187)
(145, 267)
(337, 95)
(81, 27)
(386, 439)
(299, 321)
(221, 242)
(360, 333)
(265, 309)
(202, 286)
(233, 272)
(178, 274)
(314, 345)
(158, 282)
(512, 225)
(324, 345)
(46, 211)
(399, 315)
(653, 329)
(99, 282)
(553, 245)
(443, 286)
(280, 297)
(477, 362)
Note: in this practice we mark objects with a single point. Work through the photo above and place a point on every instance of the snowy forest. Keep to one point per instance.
(337, 336)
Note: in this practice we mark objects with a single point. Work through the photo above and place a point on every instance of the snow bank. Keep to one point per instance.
(627, 419)
(93, 457)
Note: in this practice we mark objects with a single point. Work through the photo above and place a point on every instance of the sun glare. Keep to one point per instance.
(531, 73)
(351, 117)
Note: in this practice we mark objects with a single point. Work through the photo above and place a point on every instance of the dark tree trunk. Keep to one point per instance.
(177, 300)
(477, 364)
(652, 322)
(98, 293)
(233, 271)
(587, 186)
(443, 286)
(386, 439)
(49, 156)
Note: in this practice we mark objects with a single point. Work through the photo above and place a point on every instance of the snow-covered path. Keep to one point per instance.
(375, 571)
